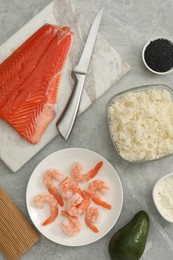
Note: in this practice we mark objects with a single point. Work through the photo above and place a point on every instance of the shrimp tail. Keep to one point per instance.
(91, 226)
(53, 216)
(48, 221)
(53, 191)
(95, 170)
(96, 199)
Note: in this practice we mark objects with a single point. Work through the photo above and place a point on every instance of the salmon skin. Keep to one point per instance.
(29, 81)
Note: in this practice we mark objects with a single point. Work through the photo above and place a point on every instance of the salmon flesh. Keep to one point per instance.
(29, 81)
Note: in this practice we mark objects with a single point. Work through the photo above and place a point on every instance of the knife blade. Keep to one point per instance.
(66, 122)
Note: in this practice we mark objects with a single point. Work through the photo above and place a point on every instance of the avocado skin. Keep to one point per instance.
(129, 242)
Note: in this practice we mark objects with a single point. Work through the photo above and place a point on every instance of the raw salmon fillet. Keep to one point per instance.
(29, 81)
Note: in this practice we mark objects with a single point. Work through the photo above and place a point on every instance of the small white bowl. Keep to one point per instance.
(143, 56)
(156, 201)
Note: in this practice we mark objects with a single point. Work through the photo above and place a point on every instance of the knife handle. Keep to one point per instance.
(66, 122)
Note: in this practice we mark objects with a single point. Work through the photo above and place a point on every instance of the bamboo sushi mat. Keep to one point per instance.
(16, 234)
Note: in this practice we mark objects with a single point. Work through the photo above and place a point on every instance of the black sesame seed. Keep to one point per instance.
(159, 55)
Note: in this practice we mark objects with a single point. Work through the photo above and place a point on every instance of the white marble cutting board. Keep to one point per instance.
(106, 68)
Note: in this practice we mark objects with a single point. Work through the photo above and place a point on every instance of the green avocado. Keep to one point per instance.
(129, 242)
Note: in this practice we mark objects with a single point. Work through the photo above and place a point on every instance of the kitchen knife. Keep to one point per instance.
(66, 122)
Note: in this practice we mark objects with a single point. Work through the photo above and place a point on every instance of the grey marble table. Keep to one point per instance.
(127, 25)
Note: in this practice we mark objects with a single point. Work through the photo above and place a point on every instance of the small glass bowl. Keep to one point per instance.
(117, 96)
(143, 56)
(156, 200)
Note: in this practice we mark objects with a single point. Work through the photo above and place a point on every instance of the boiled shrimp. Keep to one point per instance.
(69, 187)
(49, 176)
(98, 186)
(92, 216)
(39, 202)
(71, 225)
(77, 205)
(79, 177)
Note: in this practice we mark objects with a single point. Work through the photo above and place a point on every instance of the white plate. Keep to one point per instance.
(63, 160)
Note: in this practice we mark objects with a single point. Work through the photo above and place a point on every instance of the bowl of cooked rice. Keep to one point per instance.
(140, 122)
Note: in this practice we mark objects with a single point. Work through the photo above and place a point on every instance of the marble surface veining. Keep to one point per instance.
(127, 25)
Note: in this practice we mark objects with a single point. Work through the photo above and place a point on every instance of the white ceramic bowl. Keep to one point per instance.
(143, 56)
(156, 200)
